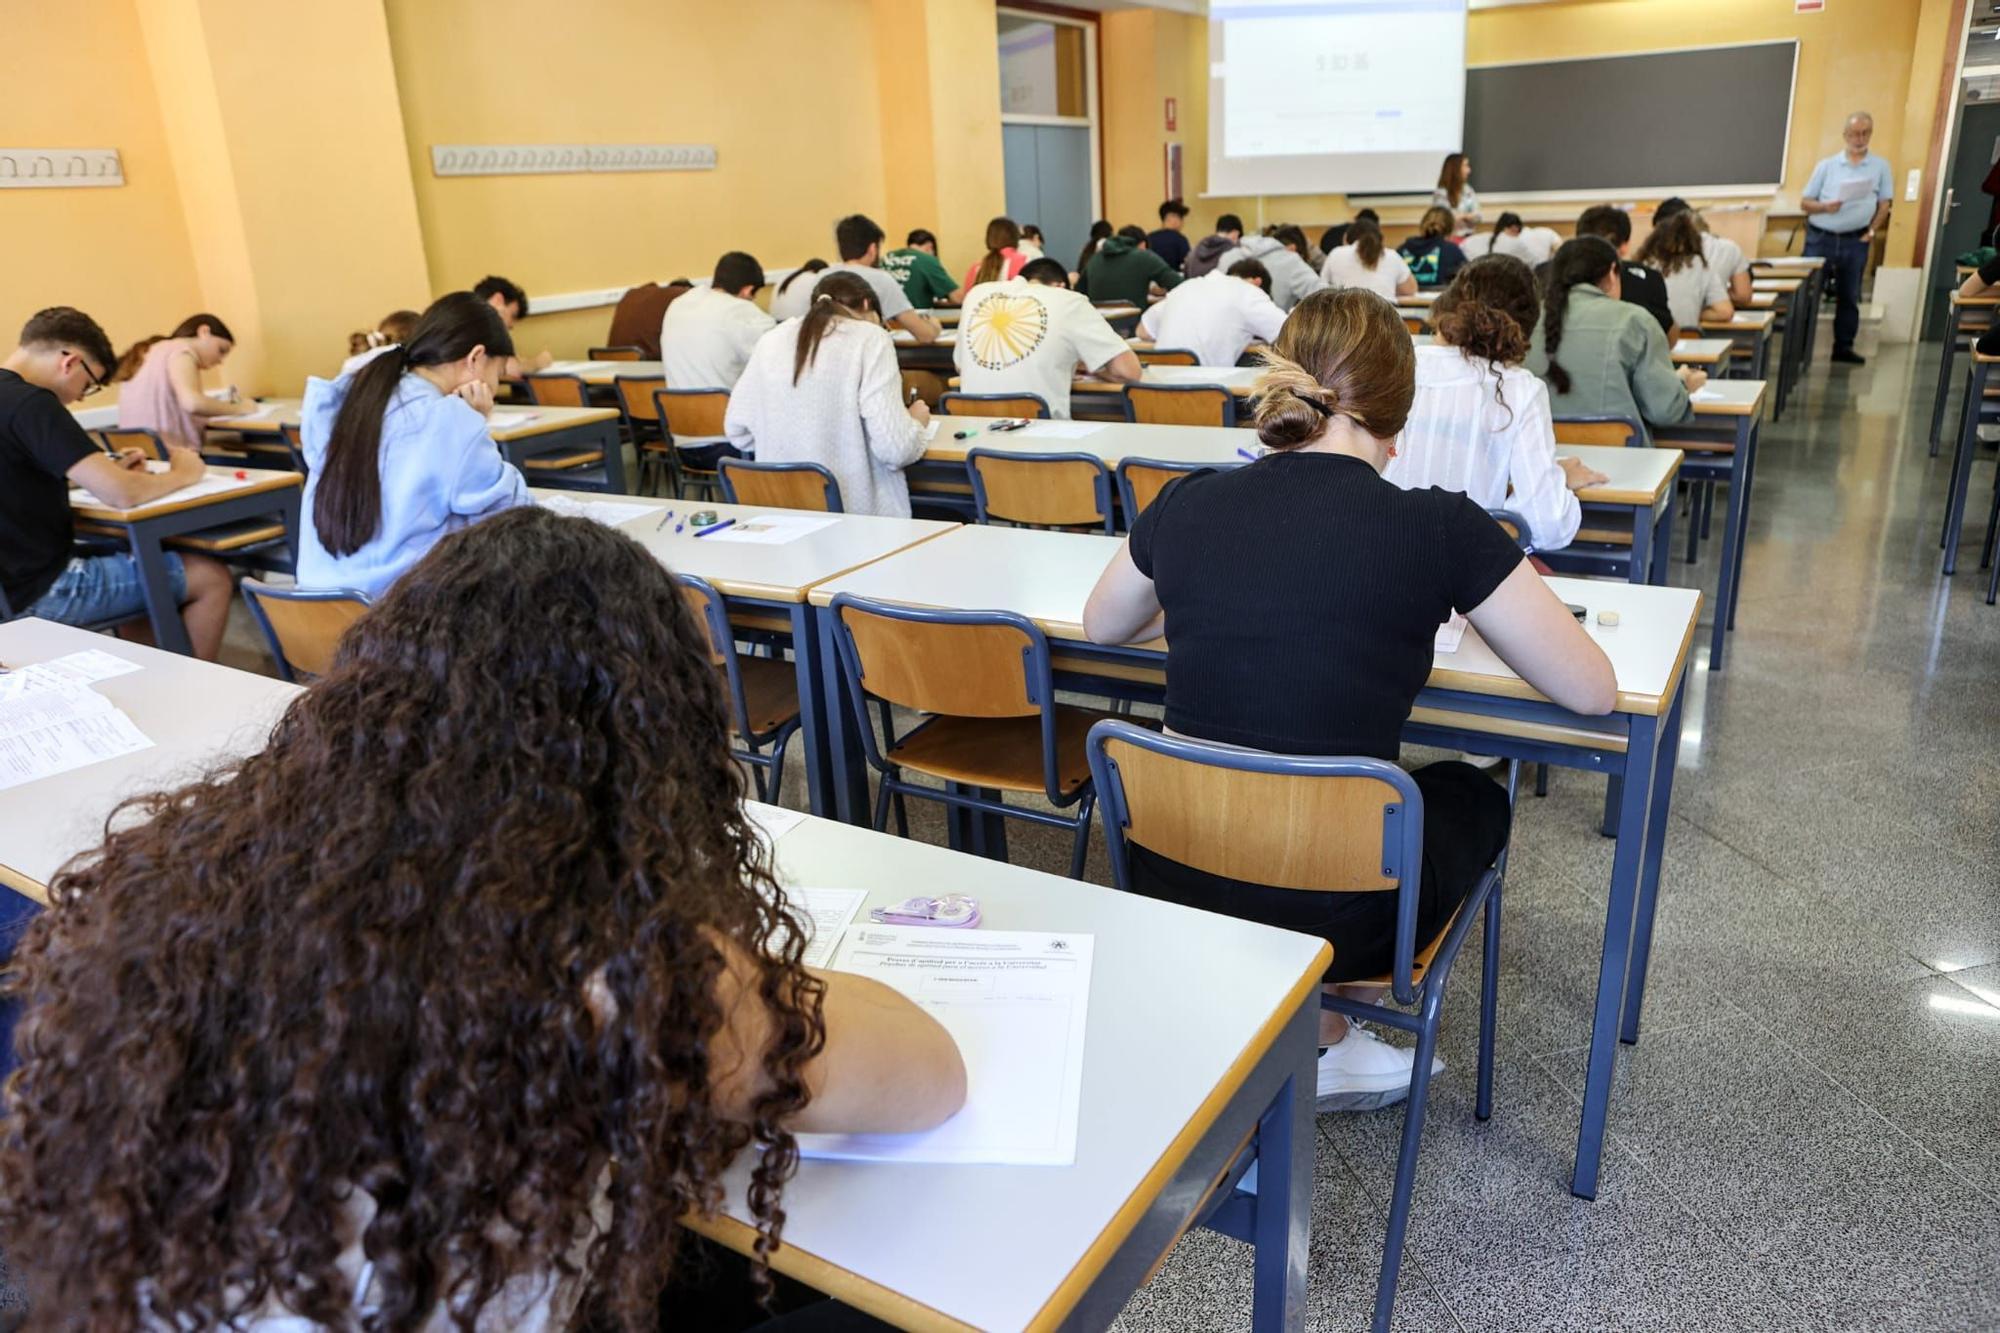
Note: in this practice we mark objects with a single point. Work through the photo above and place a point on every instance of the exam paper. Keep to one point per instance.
(610, 513)
(825, 914)
(1062, 430)
(84, 668)
(52, 727)
(774, 820)
(1705, 394)
(505, 417)
(1449, 634)
(1859, 188)
(218, 481)
(1015, 1002)
(772, 529)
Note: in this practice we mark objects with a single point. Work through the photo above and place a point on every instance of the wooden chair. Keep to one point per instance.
(1516, 527)
(1607, 431)
(1040, 490)
(558, 391)
(1166, 356)
(1140, 481)
(745, 481)
(763, 692)
(295, 445)
(641, 416)
(1314, 825)
(1180, 404)
(691, 417)
(994, 405)
(617, 354)
(986, 681)
(301, 626)
(134, 437)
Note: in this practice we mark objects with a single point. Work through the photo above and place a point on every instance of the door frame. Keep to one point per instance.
(1933, 215)
(1090, 120)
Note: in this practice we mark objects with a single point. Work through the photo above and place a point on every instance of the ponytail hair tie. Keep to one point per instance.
(377, 338)
(1314, 403)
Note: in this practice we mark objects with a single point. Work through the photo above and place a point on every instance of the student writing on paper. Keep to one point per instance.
(511, 303)
(860, 242)
(1003, 258)
(1216, 317)
(400, 452)
(1210, 249)
(1283, 254)
(1431, 254)
(1301, 594)
(1637, 284)
(163, 390)
(1030, 336)
(63, 357)
(1724, 255)
(485, 918)
(793, 297)
(706, 335)
(826, 389)
(1169, 241)
(1600, 355)
(1480, 423)
(1362, 260)
(1124, 270)
(363, 347)
(925, 280)
(1696, 291)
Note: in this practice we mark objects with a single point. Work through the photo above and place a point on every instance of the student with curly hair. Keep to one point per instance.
(1695, 290)
(445, 1008)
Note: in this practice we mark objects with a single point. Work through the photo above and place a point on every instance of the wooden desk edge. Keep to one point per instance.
(543, 426)
(166, 504)
(771, 593)
(24, 885)
(841, 1284)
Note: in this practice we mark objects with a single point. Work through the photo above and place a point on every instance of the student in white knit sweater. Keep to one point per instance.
(825, 389)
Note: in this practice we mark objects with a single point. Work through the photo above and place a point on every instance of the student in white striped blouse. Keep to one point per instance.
(1481, 424)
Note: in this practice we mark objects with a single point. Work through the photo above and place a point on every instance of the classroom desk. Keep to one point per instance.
(1720, 444)
(1709, 354)
(1472, 702)
(147, 528)
(1178, 1077)
(1970, 317)
(765, 588)
(1978, 376)
(1750, 330)
(1787, 297)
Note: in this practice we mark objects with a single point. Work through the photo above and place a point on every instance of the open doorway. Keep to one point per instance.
(1048, 125)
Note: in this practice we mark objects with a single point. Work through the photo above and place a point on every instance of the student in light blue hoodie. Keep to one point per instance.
(399, 450)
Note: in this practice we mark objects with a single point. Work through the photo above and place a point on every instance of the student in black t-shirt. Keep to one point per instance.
(1638, 285)
(64, 356)
(1170, 242)
(1302, 594)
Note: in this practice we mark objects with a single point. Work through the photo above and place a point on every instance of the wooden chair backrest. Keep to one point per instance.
(776, 488)
(617, 354)
(957, 670)
(695, 416)
(956, 406)
(1167, 356)
(1147, 481)
(1198, 406)
(697, 601)
(1061, 493)
(635, 395)
(1313, 833)
(1413, 323)
(127, 437)
(1615, 434)
(558, 391)
(306, 630)
(295, 442)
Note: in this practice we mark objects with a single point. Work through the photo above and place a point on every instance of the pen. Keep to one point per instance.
(663, 520)
(714, 527)
(1247, 454)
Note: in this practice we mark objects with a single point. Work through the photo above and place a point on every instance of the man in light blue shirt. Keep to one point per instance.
(1845, 201)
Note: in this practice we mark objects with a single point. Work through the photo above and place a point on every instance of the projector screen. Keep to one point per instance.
(1333, 96)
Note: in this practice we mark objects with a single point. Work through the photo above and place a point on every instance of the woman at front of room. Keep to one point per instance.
(479, 980)
(165, 394)
(1454, 192)
(1302, 594)
(400, 452)
(1601, 355)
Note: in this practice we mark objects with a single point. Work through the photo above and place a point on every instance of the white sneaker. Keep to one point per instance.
(1361, 1072)
(1485, 761)
(1990, 434)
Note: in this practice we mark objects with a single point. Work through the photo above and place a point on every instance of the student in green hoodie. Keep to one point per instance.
(1123, 269)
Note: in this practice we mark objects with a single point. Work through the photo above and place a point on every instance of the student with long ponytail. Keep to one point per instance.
(1363, 260)
(165, 393)
(826, 389)
(1600, 354)
(400, 452)
(1003, 258)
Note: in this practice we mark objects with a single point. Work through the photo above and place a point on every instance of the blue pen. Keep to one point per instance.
(663, 520)
(1247, 454)
(715, 527)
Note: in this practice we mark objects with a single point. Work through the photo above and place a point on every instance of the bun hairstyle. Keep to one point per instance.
(1489, 311)
(1579, 260)
(839, 295)
(1341, 353)
(1001, 234)
(1365, 235)
(396, 327)
(1437, 221)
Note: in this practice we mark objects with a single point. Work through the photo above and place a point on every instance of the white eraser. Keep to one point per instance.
(1608, 619)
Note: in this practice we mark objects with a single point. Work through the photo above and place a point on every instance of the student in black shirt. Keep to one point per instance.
(64, 356)
(1301, 595)
(1170, 242)
(1638, 284)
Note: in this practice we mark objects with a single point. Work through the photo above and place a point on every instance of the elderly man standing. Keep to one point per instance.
(1845, 201)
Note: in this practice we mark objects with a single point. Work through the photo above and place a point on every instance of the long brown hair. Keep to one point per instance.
(452, 938)
(1365, 235)
(1489, 311)
(1437, 221)
(1579, 260)
(1001, 234)
(1672, 245)
(1451, 177)
(840, 295)
(135, 355)
(1341, 353)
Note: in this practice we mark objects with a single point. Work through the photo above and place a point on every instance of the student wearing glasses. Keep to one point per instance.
(64, 357)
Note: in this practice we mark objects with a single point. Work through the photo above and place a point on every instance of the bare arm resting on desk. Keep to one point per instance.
(121, 487)
(1124, 607)
(1534, 633)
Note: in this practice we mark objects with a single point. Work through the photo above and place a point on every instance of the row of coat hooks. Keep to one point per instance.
(45, 167)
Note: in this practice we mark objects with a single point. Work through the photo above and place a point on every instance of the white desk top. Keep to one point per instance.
(256, 482)
(603, 372)
(1421, 298)
(1237, 379)
(1746, 321)
(103, 417)
(276, 412)
(1702, 351)
(1730, 398)
(1047, 577)
(264, 414)
(1794, 261)
(774, 573)
(195, 713)
(1031, 1238)
(1776, 284)
(1761, 300)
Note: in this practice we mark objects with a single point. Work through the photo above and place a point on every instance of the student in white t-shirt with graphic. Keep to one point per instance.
(1030, 334)
(1218, 316)
(707, 334)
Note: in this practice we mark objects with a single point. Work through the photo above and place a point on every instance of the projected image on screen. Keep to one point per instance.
(1333, 95)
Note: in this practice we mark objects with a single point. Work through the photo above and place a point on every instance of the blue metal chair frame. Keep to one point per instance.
(254, 591)
(1101, 483)
(946, 400)
(1403, 858)
(724, 466)
(1228, 398)
(159, 445)
(295, 445)
(1522, 537)
(1041, 692)
(1128, 503)
(766, 770)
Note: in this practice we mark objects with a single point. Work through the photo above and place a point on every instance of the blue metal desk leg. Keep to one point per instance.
(848, 769)
(169, 632)
(1732, 551)
(1748, 434)
(1281, 1225)
(1649, 869)
(813, 711)
(293, 532)
(1663, 541)
(1642, 546)
(1611, 969)
(1961, 465)
(1944, 376)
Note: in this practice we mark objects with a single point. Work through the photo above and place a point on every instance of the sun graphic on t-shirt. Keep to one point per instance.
(1004, 330)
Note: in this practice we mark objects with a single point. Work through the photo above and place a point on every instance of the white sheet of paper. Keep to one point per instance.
(53, 727)
(1062, 430)
(1450, 633)
(1015, 1001)
(931, 429)
(1850, 190)
(504, 417)
(567, 367)
(610, 513)
(826, 914)
(217, 482)
(772, 529)
(775, 820)
(86, 667)
(1706, 395)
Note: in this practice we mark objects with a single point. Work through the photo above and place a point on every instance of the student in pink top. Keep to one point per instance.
(164, 393)
(1003, 259)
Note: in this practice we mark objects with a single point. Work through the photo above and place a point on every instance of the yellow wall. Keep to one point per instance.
(1857, 54)
(119, 253)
